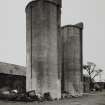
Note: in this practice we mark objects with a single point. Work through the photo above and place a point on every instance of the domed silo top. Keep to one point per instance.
(56, 2)
(78, 25)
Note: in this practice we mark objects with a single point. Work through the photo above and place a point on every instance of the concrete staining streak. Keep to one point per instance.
(43, 19)
(72, 59)
(54, 54)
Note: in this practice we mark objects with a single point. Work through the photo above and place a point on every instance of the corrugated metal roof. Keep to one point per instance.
(12, 69)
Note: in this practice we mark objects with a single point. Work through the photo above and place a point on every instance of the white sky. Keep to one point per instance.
(91, 12)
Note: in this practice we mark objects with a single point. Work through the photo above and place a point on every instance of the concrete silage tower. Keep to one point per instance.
(72, 59)
(42, 35)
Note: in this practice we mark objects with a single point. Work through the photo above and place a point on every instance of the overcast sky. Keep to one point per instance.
(90, 12)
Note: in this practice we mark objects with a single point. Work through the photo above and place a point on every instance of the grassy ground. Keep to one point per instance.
(97, 98)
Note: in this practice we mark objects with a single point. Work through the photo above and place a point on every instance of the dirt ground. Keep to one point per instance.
(97, 98)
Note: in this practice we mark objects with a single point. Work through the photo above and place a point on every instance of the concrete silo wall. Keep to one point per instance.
(42, 33)
(72, 59)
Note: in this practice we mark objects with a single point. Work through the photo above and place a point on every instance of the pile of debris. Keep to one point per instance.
(71, 95)
(14, 95)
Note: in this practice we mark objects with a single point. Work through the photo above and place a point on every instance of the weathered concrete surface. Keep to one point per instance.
(42, 33)
(72, 59)
(86, 83)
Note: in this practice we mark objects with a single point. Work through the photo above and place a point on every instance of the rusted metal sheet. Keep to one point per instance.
(13, 69)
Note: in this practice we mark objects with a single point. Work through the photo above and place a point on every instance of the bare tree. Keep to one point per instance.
(90, 68)
(92, 71)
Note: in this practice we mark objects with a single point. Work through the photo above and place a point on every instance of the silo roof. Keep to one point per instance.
(57, 2)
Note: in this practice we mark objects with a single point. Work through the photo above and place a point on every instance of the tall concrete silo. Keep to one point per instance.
(42, 35)
(72, 59)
